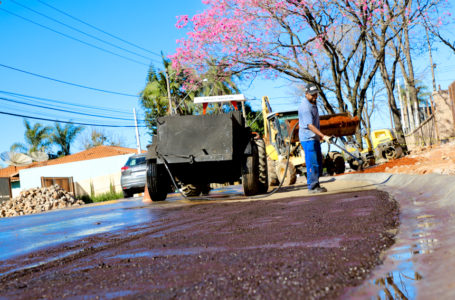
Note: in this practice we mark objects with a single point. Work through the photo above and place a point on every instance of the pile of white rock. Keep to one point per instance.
(38, 200)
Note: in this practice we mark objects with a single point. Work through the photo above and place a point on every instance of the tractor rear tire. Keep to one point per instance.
(263, 174)
(250, 173)
(157, 181)
(291, 174)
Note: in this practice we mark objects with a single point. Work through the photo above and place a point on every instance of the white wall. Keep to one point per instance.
(15, 192)
(80, 170)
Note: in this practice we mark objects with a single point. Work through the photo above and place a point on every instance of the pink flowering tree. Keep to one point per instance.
(325, 42)
(439, 22)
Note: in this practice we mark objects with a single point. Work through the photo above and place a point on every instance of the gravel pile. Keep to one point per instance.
(37, 200)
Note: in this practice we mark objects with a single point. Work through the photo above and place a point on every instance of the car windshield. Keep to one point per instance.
(134, 161)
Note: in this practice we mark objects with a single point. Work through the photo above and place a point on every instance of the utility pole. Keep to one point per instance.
(137, 133)
(403, 108)
(168, 92)
(431, 60)
(409, 112)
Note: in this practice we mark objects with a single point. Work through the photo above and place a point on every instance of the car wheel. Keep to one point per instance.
(127, 194)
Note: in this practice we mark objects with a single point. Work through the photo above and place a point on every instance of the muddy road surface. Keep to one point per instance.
(313, 247)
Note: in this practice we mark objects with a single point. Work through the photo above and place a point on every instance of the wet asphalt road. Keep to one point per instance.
(300, 247)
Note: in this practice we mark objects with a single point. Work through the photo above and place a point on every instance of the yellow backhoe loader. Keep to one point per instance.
(281, 132)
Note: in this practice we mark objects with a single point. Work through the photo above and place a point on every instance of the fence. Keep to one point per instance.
(65, 183)
(5, 189)
(424, 135)
(439, 126)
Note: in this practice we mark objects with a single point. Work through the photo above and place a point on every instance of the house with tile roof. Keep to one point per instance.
(98, 167)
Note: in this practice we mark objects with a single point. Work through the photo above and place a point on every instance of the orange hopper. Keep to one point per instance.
(338, 125)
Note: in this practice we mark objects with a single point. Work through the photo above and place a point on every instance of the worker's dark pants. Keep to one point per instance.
(313, 160)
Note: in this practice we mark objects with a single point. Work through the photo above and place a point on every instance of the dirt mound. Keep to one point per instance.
(37, 200)
(438, 159)
(339, 125)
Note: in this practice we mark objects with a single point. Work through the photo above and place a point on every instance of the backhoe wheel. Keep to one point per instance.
(157, 181)
(271, 170)
(291, 174)
(328, 165)
(339, 165)
(390, 153)
(191, 190)
(357, 166)
(393, 152)
(354, 164)
(263, 175)
(250, 173)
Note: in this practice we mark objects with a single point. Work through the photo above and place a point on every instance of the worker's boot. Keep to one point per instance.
(317, 190)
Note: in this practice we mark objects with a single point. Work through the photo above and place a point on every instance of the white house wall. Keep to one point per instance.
(80, 170)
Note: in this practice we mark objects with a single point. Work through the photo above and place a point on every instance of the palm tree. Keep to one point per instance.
(218, 81)
(36, 138)
(215, 82)
(64, 136)
(155, 96)
(98, 137)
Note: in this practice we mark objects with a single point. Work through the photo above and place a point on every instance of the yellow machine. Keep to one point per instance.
(281, 132)
(383, 146)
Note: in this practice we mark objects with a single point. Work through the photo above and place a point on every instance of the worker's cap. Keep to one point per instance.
(311, 89)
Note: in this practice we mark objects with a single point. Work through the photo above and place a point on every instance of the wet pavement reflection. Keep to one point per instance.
(24, 234)
(400, 284)
(418, 238)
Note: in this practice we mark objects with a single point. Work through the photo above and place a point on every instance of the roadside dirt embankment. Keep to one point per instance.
(438, 159)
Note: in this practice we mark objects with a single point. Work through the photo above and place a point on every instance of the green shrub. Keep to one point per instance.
(92, 189)
(111, 187)
(101, 197)
(85, 198)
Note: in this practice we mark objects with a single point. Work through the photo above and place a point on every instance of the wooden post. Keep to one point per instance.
(435, 120)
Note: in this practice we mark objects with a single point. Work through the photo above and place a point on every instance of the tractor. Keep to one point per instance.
(193, 151)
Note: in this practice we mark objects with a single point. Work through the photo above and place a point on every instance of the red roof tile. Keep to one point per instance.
(92, 153)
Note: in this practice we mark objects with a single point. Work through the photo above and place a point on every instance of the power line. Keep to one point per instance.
(68, 122)
(100, 30)
(80, 31)
(69, 83)
(28, 97)
(73, 38)
(67, 111)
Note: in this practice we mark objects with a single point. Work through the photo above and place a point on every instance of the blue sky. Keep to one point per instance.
(146, 23)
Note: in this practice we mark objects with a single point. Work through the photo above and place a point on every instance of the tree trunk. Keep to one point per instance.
(409, 77)
(390, 86)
